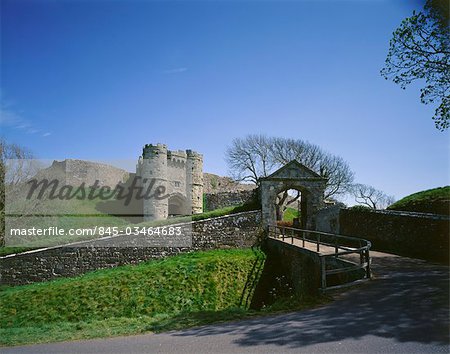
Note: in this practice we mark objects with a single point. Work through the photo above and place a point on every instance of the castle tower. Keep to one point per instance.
(179, 172)
(153, 169)
(194, 179)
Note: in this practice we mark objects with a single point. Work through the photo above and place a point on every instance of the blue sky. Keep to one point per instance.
(99, 79)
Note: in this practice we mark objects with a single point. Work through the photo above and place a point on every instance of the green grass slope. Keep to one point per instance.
(188, 289)
(290, 214)
(436, 201)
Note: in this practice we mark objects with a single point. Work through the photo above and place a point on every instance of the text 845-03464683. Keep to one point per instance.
(140, 230)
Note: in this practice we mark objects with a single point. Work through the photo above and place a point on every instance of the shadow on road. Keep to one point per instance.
(408, 301)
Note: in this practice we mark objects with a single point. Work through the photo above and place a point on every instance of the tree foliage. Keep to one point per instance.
(420, 50)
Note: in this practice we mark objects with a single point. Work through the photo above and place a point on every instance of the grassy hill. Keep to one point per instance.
(436, 201)
(177, 292)
(191, 288)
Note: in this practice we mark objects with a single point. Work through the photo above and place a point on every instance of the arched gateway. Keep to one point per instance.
(293, 175)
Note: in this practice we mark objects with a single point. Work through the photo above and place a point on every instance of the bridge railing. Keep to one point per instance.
(329, 247)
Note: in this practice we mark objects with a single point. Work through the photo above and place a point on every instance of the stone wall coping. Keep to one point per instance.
(294, 247)
(285, 179)
(242, 191)
(404, 213)
(223, 217)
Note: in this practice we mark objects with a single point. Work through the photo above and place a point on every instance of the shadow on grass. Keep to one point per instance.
(201, 318)
(193, 319)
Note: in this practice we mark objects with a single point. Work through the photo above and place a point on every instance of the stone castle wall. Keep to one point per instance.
(177, 172)
(215, 201)
(327, 219)
(232, 231)
(301, 266)
(217, 184)
(74, 172)
(195, 173)
(152, 166)
(415, 235)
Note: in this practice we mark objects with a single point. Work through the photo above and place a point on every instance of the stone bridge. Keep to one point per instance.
(332, 260)
(335, 261)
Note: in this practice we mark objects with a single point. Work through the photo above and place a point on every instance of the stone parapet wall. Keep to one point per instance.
(410, 234)
(231, 231)
(327, 219)
(301, 266)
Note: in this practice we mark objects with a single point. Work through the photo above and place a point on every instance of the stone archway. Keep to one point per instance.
(178, 205)
(293, 175)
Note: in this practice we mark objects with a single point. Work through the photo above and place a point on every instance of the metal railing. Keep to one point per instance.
(335, 246)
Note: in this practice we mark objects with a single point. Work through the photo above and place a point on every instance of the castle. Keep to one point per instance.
(180, 172)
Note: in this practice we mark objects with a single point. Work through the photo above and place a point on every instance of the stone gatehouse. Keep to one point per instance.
(180, 173)
(293, 175)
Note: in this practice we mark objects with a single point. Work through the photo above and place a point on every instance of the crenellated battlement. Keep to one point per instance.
(176, 158)
(191, 154)
(151, 150)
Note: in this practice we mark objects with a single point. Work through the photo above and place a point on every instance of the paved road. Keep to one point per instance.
(404, 310)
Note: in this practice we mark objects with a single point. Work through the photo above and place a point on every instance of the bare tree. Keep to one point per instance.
(371, 197)
(340, 176)
(329, 166)
(15, 165)
(15, 168)
(283, 201)
(285, 150)
(250, 158)
(256, 156)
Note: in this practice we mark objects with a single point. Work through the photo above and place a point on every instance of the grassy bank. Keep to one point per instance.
(127, 299)
(290, 214)
(177, 292)
(436, 201)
